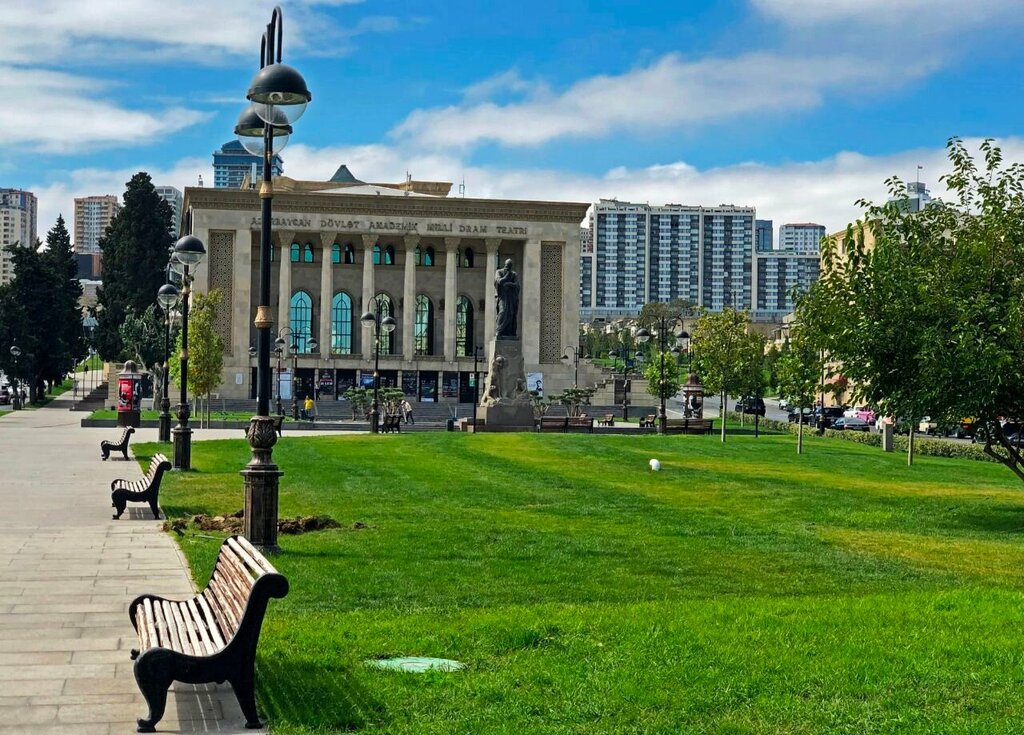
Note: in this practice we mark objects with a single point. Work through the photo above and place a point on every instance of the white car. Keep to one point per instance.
(783, 404)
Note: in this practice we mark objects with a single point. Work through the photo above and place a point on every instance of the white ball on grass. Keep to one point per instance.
(655, 465)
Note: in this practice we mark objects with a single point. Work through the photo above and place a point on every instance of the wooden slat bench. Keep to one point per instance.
(552, 423)
(648, 421)
(146, 490)
(607, 420)
(391, 424)
(689, 426)
(580, 424)
(120, 446)
(210, 638)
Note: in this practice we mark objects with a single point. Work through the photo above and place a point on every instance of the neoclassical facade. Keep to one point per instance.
(428, 261)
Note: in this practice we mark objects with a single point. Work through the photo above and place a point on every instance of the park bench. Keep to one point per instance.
(580, 424)
(210, 638)
(121, 446)
(689, 426)
(607, 420)
(146, 490)
(552, 423)
(647, 422)
(391, 424)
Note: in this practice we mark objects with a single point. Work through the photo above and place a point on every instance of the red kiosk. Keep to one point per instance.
(129, 395)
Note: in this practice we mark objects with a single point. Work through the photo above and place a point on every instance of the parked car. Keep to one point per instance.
(927, 426)
(831, 413)
(783, 404)
(808, 412)
(861, 412)
(851, 423)
(750, 405)
(5, 396)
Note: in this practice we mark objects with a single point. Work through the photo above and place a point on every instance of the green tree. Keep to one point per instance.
(750, 371)
(65, 323)
(674, 376)
(135, 250)
(360, 399)
(574, 399)
(718, 346)
(205, 347)
(143, 338)
(799, 369)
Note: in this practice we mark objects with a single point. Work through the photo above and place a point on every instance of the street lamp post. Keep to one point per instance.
(188, 252)
(476, 384)
(16, 403)
(167, 296)
(279, 347)
(642, 336)
(386, 325)
(625, 380)
(279, 96)
(576, 363)
(252, 354)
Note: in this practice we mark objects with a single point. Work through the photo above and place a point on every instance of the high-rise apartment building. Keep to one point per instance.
(586, 263)
(778, 276)
(232, 163)
(917, 197)
(641, 253)
(804, 237)
(92, 217)
(18, 211)
(172, 196)
(764, 235)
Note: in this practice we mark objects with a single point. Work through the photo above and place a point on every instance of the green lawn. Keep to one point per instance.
(742, 589)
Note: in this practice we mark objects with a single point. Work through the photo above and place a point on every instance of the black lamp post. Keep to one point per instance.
(188, 252)
(625, 379)
(16, 403)
(279, 347)
(167, 296)
(476, 384)
(576, 362)
(643, 336)
(385, 325)
(279, 96)
(252, 354)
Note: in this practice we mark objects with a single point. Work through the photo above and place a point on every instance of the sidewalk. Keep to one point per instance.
(67, 574)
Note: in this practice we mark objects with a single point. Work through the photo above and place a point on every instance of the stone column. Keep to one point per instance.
(368, 292)
(492, 243)
(451, 293)
(529, 302)
(409, 298)
(326, 292)
(284, 281)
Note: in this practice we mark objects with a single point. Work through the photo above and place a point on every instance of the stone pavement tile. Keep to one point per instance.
(35, 620)
(61, 729)
(57, 671)
(108, 699)
(108, 685)
(34, 658)
(116, 656)
(40, 631)
(32, 687)
(45, 644)
(28, 715)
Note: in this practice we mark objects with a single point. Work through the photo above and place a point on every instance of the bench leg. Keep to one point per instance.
(153, 505)
(245, 692)
(105, 449)
(119, 500)
(124, 451)
(154, 675)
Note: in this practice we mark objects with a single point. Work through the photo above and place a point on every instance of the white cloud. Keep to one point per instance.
(669, 93)
(911, 15)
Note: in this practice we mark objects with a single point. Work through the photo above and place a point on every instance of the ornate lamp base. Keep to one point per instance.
(261, 481)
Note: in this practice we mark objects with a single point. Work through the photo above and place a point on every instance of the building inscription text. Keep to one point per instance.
(397, 226)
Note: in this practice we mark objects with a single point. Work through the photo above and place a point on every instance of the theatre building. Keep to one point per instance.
(344, 247)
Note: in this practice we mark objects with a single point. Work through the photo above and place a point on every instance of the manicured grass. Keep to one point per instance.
(93, 362)
(742, 589)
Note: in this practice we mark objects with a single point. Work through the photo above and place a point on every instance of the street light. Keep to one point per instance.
(252, 354)
(386, 325)
(279, 347)
(576, 362)
(16, 404)
(167, 297)
(279, 96)
(188, 252)
(624, 354)
(476, 384)
(643, 336)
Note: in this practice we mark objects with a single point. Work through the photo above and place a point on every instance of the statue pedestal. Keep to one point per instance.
(505, 405)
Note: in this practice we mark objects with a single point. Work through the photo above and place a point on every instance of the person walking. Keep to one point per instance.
(407, 411)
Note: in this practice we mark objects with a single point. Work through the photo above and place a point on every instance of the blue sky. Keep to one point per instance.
(797, 107)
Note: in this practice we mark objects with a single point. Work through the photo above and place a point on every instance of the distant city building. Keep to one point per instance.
(803, 238)
(641, 253)
(764, 235)
(92, 217)
(586, 263)
(917, 197)
(232, 164)
(778, 275)
(18, 211)
(172, 196)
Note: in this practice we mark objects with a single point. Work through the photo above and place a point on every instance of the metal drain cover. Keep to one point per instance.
(416, 664)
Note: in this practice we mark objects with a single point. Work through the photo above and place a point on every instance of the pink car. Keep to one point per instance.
(861, 412)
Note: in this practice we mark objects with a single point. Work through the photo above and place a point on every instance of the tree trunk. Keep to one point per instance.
(910, 446)
(721, 412)
(800, 433)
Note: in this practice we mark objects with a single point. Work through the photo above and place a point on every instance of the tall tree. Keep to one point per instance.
(135, 250)
(799, 369)
(65, 329)
(717, 348)
(205, 346)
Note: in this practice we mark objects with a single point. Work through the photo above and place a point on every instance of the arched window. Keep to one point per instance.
(389, 255)
(350, 254)
(464, 327)
(301, 320)
(307, 253)
(376, 254)
(423, 329)
(295, 252)
(428, 257)
(385, 307)
(466, 259)
(341, 324)
(419, 256)
(335, 254)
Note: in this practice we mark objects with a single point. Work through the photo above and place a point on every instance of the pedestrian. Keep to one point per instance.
(407, 411)
(307, 409)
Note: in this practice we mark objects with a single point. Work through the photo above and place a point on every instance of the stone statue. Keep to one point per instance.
(506, 285)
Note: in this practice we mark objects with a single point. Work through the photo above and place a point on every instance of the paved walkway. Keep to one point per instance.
(67, 574)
